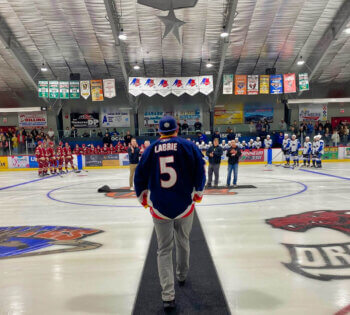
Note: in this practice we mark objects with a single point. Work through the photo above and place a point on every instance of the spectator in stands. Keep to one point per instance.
(258, 126)
(283, 125)
(198, 125)
(99, 134)
(320, 130)
(231, 135)
(309, 129)
(266, 125)
(14, 144)
(335, 138)
(252, 128)
(30, 143)
(280, 139)
(74, 132)
(4, 146)
(295, 125)
(201, 137)
(35, 133)
(51, 134)
(179, 126)
(86, 135)
(185, 127)
(328, 125)
(263, 134)
(327, 136)
(134, 157)
(301, 133)
(115, 131)
(66, 132)
(216, 135)
(107, 139)
(21, 141)
(345, 135)
(93, 133)
(127, 138)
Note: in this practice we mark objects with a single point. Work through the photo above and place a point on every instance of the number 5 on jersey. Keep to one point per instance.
(165, 169)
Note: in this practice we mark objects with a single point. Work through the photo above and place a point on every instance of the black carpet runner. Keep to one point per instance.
(202, 293)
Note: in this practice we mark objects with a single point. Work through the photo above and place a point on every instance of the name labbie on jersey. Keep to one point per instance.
(165, 147)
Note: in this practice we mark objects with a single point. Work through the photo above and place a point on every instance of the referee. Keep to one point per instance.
(169, 179)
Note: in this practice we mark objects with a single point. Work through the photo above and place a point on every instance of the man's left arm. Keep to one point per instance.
(199, 175)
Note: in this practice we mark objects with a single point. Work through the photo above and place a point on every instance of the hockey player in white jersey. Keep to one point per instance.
(314, 151)
(319, 151)
(268, 142)
(224, 145)
(286, 148)
(257, 143)
(251, 144)
(203, 146)
(244, 145)
(307, 151)
(237, 143)
(294, 150)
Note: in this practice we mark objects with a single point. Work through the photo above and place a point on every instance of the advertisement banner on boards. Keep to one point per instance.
(18, 161)
(227, 86)
(74, 89)
(85, 89)
(330, 153)
(3, 162)
(64, 89)
(109, 88)
(253, 84)
(313, 112)
(228, 114)
(54, 90)
(85, 120)
(258, 112)
(240, 84)
(32, 120)
(264, 84)
(96, 90)
(43, 89)
(33, 163)
(289, 83)
(123, 159)
(253, 156)
(276, 84)
(114, 118)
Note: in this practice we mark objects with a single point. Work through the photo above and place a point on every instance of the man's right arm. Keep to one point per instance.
(141, 178)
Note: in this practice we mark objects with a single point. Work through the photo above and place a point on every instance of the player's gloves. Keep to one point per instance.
(197, 198)
(144, 200)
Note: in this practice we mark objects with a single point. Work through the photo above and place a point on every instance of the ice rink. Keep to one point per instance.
(295, 265)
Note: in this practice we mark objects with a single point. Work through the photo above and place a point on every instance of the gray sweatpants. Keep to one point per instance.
(213, 168)
(167, 231)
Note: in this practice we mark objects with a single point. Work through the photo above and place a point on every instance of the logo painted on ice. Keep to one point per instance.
(322, 262)
(24, 241)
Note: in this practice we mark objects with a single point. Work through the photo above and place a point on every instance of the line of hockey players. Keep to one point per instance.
(312, 151)
(53, 159)
(251, 145)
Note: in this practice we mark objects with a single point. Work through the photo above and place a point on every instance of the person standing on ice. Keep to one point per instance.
(286, 148)
(307, 150)
(294, 150)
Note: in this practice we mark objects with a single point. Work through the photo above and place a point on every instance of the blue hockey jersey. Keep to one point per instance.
(169, 177)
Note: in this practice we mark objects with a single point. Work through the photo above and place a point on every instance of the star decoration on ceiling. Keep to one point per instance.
(172, 24)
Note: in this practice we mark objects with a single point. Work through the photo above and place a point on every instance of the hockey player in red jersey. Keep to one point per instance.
(40, 157)
(60, 156)
(76, 149)
(46, 160)
(98, 150)
(111, 149)
(105, 149)
(50, 152)
(68, 157)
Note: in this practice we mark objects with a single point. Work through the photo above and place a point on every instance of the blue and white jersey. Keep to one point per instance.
(314, 147)
(320, 146)
(294, 145)
(250, 145)
(307, 147)
(257, 144)
(268, 143)
(286, 144)
(169, 176)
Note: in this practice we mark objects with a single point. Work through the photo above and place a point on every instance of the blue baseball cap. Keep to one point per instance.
(167, 124)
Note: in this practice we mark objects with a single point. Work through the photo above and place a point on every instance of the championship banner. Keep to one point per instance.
(85, 120)
(227, 86)
(32, 120)
(258, 112)
(135, 87)
(110, 118)
(163, 86)
(96, 90)
(189, 115)
(289, 83)
(206, 84)
(191, 85)
(85, 89)
(109, 88)
(54, 91)
(240, 85)
(74, 89)
(253, 84)
(252, 156)
(264, 84)
(276, 84)
(43, 89)
(177, 86)
(228, 114)
(303, 82)
(313, 112)
(149, 86)
(64, 89)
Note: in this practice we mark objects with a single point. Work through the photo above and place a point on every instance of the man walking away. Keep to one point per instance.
(134, 155)
(214, 153)
(169, 179)
(233, 155)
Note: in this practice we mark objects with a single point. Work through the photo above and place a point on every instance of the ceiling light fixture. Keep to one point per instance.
(209, 64)
(136, 67)
(43, 67)
(347, 30)
(224, 34)
(300, 61)
(122, 35)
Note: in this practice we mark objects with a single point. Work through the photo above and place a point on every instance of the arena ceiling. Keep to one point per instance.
(81, 36)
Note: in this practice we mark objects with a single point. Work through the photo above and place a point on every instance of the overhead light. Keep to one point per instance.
(125, 108)
(300, 61)
(347, 30)
(224, 34)
(209, 64)
(136, 67)
(122, 35)
(43, 67)
(20, 109)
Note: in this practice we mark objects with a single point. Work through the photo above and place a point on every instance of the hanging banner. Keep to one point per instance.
(85, 89)
(253, 84)
(190, 116)
(264, 84)
(115, 118)
(149, 87)
(177, 86)
(96, 90)
(43, 89)
(163, 86)
(227, 86)
(289, 83)
(228, 114)
(64, 89)
(276, 84)
(74, 89)
(240, 85)
(206, 84)
(191, 85)
(85, 120)
(135, 87)
(258, 112)
(313, 112)
(109, 88)
(303, 82)
(54, 90)
(32, 120)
